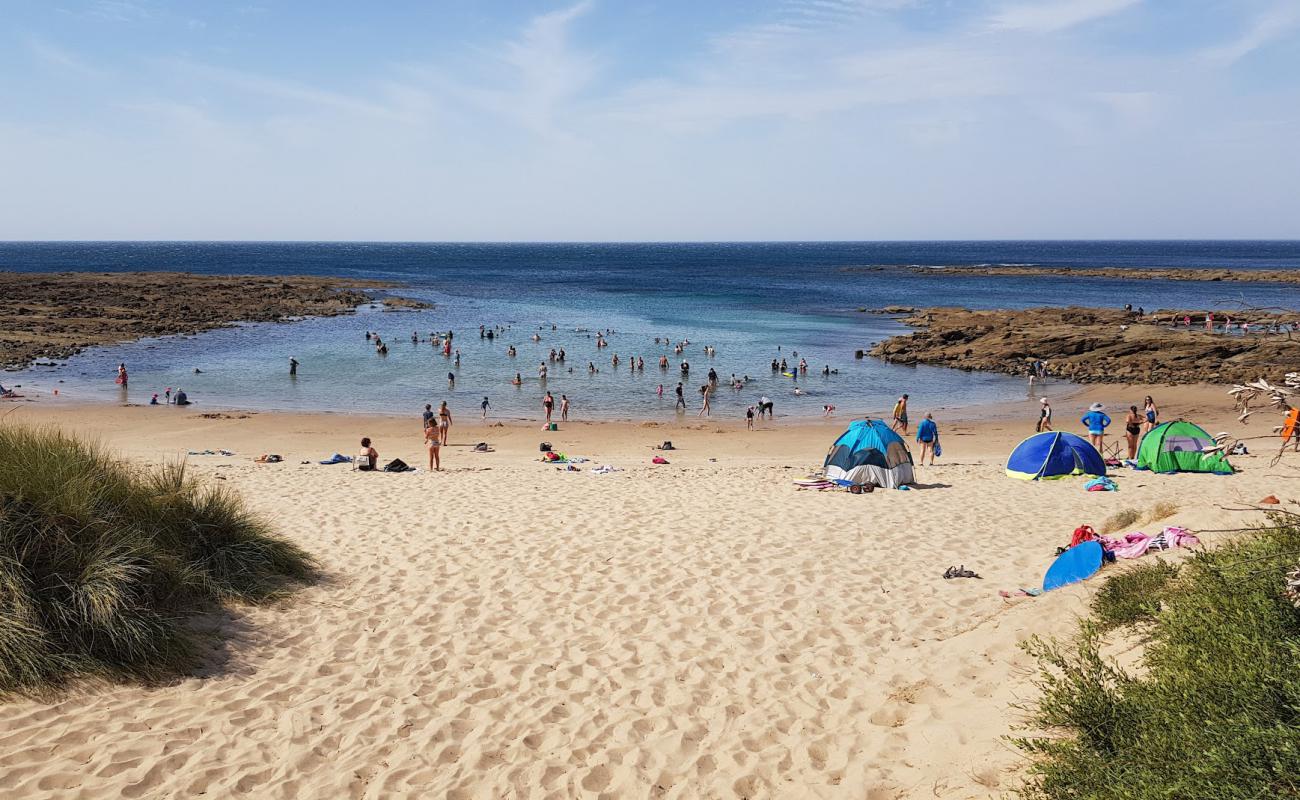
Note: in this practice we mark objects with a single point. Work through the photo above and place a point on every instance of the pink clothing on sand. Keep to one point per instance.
(1136, 545)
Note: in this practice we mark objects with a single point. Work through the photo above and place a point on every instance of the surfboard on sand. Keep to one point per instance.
(1076, 564)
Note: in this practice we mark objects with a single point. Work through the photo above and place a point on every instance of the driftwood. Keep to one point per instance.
(1250, 397)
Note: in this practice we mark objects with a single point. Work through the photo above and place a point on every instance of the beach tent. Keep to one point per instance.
(1054, 454)
(1180, 447)
(869, 452)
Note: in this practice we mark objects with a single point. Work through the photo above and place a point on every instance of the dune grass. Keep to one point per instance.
(1214, 711)
(103, 567)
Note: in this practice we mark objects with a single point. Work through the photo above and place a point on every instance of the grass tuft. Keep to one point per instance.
(1215, 713)
(102, 567)
(1120, 520)
(1162, 510)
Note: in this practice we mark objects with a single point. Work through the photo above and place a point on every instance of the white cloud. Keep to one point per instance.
(1049, 17)
(53, 55)
(1265, 29)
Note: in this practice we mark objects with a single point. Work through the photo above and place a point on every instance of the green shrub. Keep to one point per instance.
(102, 567)
(1132, 595)
(1216, 712)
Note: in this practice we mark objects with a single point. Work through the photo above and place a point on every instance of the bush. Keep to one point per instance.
(1216, 713)
(102, 568)
(1132, 595)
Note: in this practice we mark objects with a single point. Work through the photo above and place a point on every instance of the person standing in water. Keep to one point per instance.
(564, 408)
(704, 400)
(681, 398)
(121, 375)
(293, 367)
(486, 406)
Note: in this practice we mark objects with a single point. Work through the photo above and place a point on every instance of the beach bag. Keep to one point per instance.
(666, 446)
(938, 449)
(396, 465)
(545, 447)
(1083, 533)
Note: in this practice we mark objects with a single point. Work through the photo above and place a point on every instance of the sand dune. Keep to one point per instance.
(505, 629)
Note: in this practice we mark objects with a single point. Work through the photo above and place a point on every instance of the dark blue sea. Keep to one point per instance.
(751, 302)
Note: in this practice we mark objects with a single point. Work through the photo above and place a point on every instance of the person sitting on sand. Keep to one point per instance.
(181, 399)
(368, 459)
(1096, 422)
(927, 434)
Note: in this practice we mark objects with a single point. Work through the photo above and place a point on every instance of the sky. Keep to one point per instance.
(662, 120)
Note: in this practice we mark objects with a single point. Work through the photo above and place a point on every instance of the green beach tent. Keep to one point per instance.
(1180, 447)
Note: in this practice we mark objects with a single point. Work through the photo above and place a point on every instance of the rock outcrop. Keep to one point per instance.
(1090, 345)
(54, 315)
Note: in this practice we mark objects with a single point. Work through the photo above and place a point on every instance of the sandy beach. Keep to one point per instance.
(695, 629)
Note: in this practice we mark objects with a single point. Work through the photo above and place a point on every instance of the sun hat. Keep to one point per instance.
(1096, 407)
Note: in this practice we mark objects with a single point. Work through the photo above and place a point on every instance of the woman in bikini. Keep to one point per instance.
(433, 443)
(1152, 413)
(444, 422)
(1133, 430)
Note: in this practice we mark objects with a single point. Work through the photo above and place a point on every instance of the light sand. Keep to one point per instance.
(700, 629)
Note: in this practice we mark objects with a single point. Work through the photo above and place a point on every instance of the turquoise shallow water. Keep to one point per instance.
(752, 302)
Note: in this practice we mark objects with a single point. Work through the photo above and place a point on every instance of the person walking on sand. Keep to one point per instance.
(434, 446)
(749, 418)
(548, 405)
(900, 415)
(1151, 413)
(927, 434)
(1096, 421)
(704, 400)
(1133, 430)
(1044, 415)
(486, 405)
(564, 408)
(444, 421)
(293, 367)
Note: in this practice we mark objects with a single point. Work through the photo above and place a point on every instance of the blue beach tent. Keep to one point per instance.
(869, 452)
(1054, 454)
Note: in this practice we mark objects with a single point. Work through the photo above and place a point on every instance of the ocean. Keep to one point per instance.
(750, 302)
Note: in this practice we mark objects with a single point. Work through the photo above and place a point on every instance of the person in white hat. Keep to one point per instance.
(1097, 422)
(1044, 415)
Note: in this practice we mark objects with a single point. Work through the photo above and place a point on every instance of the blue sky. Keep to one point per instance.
(628, 120)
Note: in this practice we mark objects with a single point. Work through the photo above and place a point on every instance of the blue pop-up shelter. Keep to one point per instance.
(1054, 454)
(869, 452)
